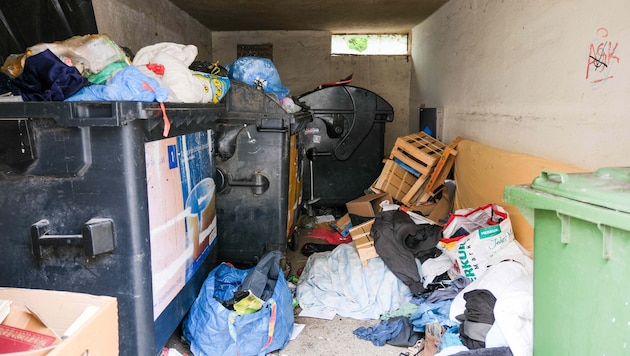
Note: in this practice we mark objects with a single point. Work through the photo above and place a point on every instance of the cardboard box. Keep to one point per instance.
(343, 225)
(83, 324)
(368, 205)
(363, 241)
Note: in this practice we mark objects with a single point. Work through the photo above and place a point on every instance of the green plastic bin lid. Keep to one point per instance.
(606, 187)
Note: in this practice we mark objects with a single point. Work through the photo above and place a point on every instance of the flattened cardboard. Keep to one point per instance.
(54, 312)
(482, 172)
(368, 205)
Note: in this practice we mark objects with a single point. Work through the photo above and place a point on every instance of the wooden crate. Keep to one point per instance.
(429, 185)
(442, 168)
(416, 192)
(363, 241)
(418, 151)
(394, 180)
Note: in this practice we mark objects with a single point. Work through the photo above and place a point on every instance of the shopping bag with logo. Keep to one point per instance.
(471, 236)
(241, 312)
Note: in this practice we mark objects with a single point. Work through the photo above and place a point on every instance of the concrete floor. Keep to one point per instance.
(319, 336)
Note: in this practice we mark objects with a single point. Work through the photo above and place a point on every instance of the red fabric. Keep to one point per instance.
(156, 68)
(332, 237)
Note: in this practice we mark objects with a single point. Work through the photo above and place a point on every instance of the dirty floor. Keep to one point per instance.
(319, 336)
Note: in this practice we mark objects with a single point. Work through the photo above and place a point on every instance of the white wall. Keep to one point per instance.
(517, 75)
(303, 61)
(139, 23)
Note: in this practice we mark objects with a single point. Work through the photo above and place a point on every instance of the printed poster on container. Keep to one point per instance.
(182, 219)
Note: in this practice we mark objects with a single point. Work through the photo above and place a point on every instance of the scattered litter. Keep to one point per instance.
(297, 329)
(318, 313)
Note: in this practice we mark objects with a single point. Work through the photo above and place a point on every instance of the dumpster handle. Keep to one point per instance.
(554, 176)
(97, 237)
(607, 240)
(283, 130)
(258, 183)
(565, 227)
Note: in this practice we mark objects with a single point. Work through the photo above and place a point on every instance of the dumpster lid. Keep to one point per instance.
(607, 187)
(29, 22)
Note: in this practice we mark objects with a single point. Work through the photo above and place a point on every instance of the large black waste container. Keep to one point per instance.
(344, 143)
(259, 175)
(93, 199)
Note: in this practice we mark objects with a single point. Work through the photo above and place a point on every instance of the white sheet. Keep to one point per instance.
(336, 280)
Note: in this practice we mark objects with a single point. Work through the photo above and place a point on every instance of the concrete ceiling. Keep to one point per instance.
(336, 16)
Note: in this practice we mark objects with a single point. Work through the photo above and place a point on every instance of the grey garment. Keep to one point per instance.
(406, 337)
(490, 351)
(399, 241)
(477, 318)
(457, 284)
(476, 331)
(261, 281)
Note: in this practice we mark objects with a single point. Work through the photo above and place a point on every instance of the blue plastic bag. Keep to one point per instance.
(258, 72)
(212, 329)
(128, 84)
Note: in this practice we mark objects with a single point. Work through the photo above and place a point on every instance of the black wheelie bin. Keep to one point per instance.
(259, 174)
(95, 200)
(344, 143)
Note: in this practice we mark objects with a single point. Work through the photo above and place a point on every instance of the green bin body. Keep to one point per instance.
(581, 260)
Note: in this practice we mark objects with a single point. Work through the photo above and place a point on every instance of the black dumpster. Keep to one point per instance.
(259, 174)
(95, 200)
(344, 143)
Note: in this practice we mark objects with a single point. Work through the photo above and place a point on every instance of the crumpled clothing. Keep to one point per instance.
(450, 292)
(335, 280)
(407, 336)
(406, 309)
(489, 351)
(432, 312)
(434, 267)
(399, 241)
(46, 78)
(381, 332)
(450, 338)
(477, 319)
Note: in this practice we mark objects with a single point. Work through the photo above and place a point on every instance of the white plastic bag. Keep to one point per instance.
(472, 236)
(184, 85)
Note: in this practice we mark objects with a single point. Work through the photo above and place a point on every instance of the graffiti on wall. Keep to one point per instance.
(601, 58)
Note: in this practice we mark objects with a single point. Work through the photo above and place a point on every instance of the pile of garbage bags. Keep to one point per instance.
(94, 68)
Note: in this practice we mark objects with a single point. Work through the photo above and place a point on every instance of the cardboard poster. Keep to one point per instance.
(182, 219)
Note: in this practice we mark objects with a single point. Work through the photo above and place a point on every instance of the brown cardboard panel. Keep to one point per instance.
(442, 208)
(482, 172)
(367, 205)
(423, 209)
(95, 320)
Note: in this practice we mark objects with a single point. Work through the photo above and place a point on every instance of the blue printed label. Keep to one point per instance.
(172, 156)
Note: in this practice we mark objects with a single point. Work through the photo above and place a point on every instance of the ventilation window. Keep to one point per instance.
(370, 45)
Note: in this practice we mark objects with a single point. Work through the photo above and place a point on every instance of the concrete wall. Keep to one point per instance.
(303, 61)
(548, 78)
(302, 58)
(139, 23)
